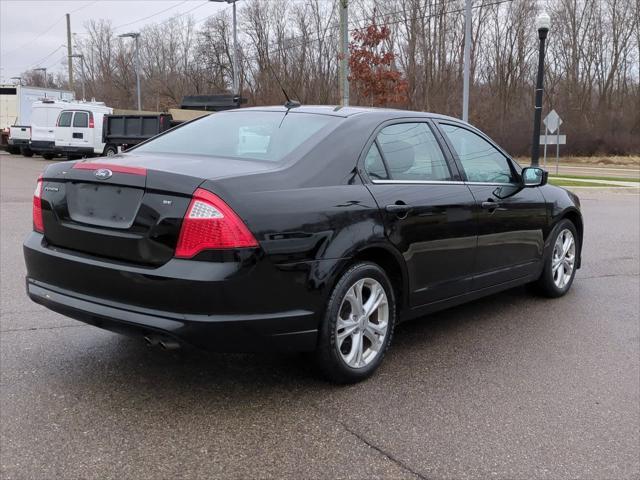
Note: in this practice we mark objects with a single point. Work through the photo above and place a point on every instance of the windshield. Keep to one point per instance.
(268, 136)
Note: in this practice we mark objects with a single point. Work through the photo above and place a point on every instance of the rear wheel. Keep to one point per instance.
(26, 152)
(110, 151)
(358, 324)
(560, 262)
(47, 156)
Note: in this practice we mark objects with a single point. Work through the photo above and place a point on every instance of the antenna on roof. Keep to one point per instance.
(289, 104)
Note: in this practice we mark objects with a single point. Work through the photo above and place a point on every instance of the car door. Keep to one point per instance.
(511, 219)
(427, 209)
(63, 129)
(80, 131)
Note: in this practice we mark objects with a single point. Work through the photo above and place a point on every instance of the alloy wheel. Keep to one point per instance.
(362, 323)
(563, 259)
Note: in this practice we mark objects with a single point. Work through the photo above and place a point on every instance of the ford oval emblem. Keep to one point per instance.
(103, 173)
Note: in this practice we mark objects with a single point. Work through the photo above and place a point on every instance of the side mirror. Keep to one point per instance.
(534, 177)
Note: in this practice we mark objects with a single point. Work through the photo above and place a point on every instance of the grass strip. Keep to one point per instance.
(588, 177)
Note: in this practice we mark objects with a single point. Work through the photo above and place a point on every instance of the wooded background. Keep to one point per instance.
(592, 65)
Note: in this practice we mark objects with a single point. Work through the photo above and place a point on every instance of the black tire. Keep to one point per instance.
(327, 356)
(26, 152)
(13, 150)
(47, 156)
(110, 150)
(546, 284)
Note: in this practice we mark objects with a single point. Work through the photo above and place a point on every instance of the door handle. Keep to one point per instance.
(398, 208)
(490, 204)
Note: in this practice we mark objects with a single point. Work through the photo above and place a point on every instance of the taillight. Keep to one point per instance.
(211, 224)
(38, 224)
(91, 124)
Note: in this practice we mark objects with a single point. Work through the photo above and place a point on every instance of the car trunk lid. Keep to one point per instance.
(130, 209)
(128, 214)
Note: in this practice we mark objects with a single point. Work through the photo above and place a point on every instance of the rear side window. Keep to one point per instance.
(374, 165)
(65, 119)
(81, 120)
(411, 152)
(482, 162)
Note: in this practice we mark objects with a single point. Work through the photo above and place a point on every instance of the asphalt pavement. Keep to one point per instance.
(509, 387)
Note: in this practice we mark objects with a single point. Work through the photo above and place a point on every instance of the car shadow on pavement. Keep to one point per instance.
(127, 362)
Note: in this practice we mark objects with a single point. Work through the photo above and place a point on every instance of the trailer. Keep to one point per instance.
(15, 107)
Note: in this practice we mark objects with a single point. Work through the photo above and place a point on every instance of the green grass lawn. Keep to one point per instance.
(573, 183)
(615, 179)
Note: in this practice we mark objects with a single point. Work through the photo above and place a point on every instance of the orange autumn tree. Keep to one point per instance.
(372, 73)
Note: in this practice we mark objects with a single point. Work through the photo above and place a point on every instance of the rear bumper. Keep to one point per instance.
(76, 150)
(40, 146)
(19, 142)
(231, 333)
(224, 306)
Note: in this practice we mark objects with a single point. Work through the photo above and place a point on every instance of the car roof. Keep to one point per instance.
(350, 111)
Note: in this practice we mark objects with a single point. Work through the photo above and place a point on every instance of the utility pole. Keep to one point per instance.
(467, 61)
(344, 49)
(69, 53)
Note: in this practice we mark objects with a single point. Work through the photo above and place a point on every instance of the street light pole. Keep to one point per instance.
(136, 36)
(543, 23)
(234, 60)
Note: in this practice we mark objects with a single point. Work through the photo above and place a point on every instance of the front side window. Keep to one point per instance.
(65, 119)
(81, 120)
(411, 152)
(255, 135)
(482, 162)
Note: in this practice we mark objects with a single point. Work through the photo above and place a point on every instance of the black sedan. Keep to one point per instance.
(307, 229)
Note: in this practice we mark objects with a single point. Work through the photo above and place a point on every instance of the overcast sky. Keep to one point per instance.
(32, 30)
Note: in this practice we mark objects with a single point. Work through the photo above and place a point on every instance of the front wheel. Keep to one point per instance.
(358, 324)
(560, 262)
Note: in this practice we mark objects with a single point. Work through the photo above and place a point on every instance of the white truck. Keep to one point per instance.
(15, 109)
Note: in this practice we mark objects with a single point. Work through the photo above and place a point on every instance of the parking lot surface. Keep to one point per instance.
(511, 386)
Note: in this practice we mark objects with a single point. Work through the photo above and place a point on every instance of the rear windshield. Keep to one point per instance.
(267, 136)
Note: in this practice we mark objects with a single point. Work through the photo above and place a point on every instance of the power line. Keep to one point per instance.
(49, 28)
(35, 64)
(184, 13)
(150, 16)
